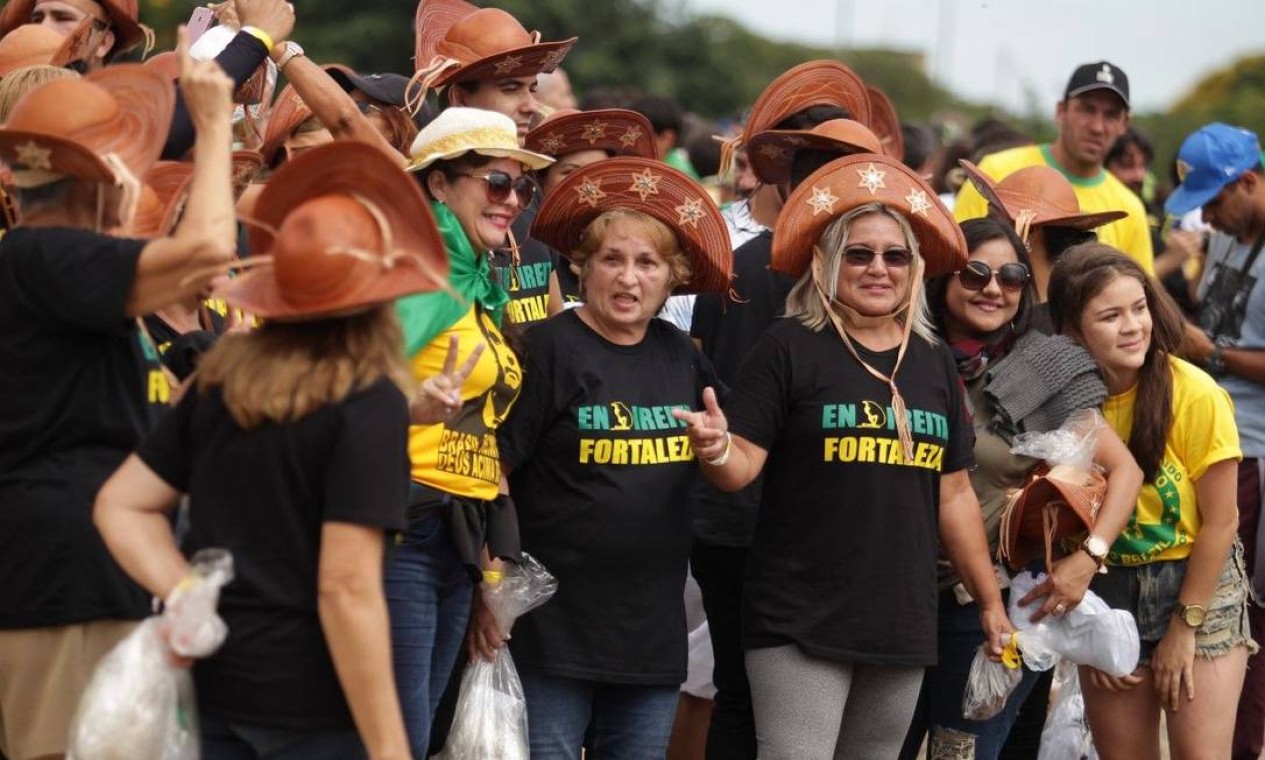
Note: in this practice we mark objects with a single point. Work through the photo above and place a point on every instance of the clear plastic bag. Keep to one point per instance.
(1066, 735)
(491, 715)
(1091, 633)
(1072, 445)
(988, 686)
(139, 705)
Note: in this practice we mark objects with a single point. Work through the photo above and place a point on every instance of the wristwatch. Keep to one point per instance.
(1216, 361)
(1192, 614)
(291, 50)
(1097, 549)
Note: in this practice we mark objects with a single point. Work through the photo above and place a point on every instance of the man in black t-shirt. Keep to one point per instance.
(81, 383)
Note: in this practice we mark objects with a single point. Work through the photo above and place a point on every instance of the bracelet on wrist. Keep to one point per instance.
(724, 457)
(260, 35)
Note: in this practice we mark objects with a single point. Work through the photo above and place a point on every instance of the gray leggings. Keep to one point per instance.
(808, 708)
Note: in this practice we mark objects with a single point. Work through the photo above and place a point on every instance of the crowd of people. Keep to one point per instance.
(752, 400)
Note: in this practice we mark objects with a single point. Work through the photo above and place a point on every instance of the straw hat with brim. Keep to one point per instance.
(162, 199)
(1035, 196)
(471, 130)
(885, 123)
(772, 152)
(1071, 498)
(122, 15)
(852, 181)
(346, 230)
(37, 45)
(457, 42)
(616, 130)
(651, 187)
(67, 127)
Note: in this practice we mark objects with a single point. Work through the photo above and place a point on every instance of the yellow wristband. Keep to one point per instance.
(260, 35)
(492, 577)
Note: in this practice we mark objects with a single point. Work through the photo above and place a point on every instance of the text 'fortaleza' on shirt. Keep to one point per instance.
(861, 446)
(620, 417)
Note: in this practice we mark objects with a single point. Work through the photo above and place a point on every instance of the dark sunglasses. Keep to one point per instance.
(976, 275)
(863, 257)
(500, 184)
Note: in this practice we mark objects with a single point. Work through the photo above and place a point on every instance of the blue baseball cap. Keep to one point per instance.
(1210, 159)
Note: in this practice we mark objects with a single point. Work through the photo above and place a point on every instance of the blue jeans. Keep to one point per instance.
(428, 596)
(940, 706)
(222, 740)
(612, 721)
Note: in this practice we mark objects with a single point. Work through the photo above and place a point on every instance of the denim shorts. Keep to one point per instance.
(1151, 592)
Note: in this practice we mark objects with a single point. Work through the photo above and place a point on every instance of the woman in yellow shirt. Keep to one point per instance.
(1176, 566)
(470, 166)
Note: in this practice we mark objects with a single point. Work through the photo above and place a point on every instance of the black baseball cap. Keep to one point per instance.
(384, 88)
(1102, 75)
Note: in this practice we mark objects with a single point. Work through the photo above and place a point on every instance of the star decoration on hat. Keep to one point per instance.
(772, 152)
(918, 203)
(630, 137)
(508, 64)
(823, 201)
(646, 184)
(552, 143)
(690, 212)
(593, 131)
(552, 59)
(32, 156)
(590, 192)
(872, 178)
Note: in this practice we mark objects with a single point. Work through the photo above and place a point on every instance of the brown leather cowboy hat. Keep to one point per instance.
(654, 188)
(1035, 196)
(68, 127)
(346, 230)
(162, 199)
(885, 123)
(852, 181)
(772, 151)
(616, 130)
(35, 45)
(1054, 505)
(288, 112)
(456, 42)
(122, 15)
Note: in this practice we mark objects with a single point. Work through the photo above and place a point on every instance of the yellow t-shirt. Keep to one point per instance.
(1102, 193)
(1166, 520)
(460, 456)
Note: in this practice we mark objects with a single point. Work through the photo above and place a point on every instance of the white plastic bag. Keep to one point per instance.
(1072, 445)
(138, 705)
(491, 715)
(1066, 735)
(1091, 633)
(988, 686)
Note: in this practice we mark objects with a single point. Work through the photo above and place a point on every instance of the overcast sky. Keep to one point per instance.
(999, 50)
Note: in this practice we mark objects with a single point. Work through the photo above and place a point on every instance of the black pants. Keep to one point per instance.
(719, 571)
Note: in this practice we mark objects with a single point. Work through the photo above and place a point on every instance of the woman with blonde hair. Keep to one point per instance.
(854, 413)
(291, 447)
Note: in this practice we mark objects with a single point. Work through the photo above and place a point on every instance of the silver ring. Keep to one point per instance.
(1060, 608)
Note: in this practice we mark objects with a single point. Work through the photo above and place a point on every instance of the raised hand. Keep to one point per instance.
(208, 91)
(274, 17)
(439, 398)
(708, 429)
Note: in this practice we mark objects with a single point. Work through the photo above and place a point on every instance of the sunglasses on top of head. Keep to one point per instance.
(860, 256)
(500, 183)
(976, 275)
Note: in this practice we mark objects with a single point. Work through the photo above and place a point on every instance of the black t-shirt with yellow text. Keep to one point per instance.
(79, 385)
(843, 562)
(527, 280)
(600, 471)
